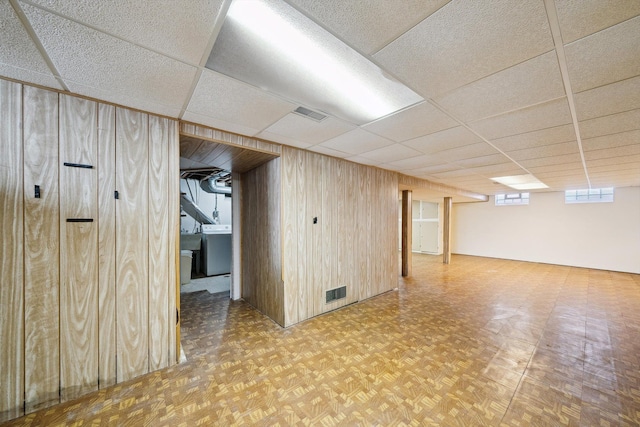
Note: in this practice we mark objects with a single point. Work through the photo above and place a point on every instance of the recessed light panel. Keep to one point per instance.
(521, 182)
(271, 45)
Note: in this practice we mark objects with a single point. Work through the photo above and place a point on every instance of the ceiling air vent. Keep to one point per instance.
(313, 115)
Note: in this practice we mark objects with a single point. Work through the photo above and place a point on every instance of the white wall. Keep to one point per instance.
(206, 202)
(594, 235)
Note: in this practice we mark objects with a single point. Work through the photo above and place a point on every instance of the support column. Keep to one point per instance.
(406, 233)
(446, 232)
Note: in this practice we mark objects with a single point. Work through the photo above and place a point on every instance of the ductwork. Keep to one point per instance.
(194, 211)
(210, 185)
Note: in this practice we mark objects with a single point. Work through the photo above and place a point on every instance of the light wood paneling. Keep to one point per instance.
(354, 242)
(446, 233)
(132, 248)
(106, 244)
(173, 253)
(78, 248)
(222, 155)
(290, 235)
(158, 223)
(314, 179)
(262, 240)
(215, 135)
(11, 252)
(41, 252)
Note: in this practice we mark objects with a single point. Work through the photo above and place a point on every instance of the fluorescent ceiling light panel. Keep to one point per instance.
(521, 182)
(271, 45)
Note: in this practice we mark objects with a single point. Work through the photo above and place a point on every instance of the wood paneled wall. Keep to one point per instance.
(352, 244)
(88, 282)
(11, 254)
(261, 251)
(41, 251)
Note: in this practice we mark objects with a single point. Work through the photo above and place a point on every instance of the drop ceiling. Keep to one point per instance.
(496, 87)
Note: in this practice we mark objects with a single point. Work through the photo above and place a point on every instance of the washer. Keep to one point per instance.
(216, 249)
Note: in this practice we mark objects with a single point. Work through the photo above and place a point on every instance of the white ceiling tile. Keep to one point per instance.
(561, 169)
(443, 140)
(626, 168)
(328, 151)
(528, 83)
(471, 151)
(370, 25)
(306, 131)
(220, 124)
(610, 99)
(607, 153)
(363, 161)
(465, 41)
(542, 116)
(554, 135)
(166, 26)
(544, 151)
(125, 99)
(612, 141)
(498, 169)
(621, 122)
(554, 160)
(273, 137)
(481, 161)
(391, 153)
(242, 104)
(87, 58)
(413, 163)
(419, 120)
(357, 141)
(20, 59)
(434, 169)
(572, 172)
(605, 57)
(613, 160)
(579, 18)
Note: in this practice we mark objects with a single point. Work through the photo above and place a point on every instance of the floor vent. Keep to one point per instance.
(337, 293)
(313, 115)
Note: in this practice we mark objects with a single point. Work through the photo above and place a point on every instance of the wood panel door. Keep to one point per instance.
(78, 247)
(11, 252)
(132, 243)
(41, 252)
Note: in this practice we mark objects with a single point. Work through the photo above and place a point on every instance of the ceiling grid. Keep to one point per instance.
(494, 87)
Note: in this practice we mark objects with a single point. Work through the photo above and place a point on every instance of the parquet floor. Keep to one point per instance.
(478, 342)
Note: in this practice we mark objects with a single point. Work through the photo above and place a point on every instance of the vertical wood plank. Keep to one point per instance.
(11, 252)
(304, 223)
(446, 230)
(174, 243)
(158, 223)
(132, 243)
(262, 239)
(407, 222)
(78, 248)
(351, 247)
(41, 252)
(315, 262)
(106, 245)
(290, 229)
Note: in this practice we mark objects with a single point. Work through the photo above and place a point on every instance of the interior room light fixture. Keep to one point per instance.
(521, 182)
(271, 45)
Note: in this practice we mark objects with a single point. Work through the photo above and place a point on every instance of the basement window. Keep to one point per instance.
(512, 199)
(593, 195)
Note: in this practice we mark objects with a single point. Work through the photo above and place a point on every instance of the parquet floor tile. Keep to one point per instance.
(479, 342)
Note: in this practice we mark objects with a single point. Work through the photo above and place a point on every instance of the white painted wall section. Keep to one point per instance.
(593, 235)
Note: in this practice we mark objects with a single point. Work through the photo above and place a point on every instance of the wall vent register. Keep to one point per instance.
(336, 294)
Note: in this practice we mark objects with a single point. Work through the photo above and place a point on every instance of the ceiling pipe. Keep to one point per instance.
(210, 185)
